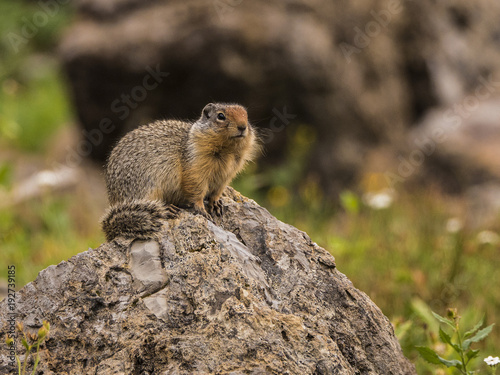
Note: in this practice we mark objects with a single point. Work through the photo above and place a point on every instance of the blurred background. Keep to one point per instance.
(380, 120)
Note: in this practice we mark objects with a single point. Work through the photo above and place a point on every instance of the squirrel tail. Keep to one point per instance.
(139, 218)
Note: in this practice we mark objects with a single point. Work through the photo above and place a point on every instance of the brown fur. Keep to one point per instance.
(175, 163)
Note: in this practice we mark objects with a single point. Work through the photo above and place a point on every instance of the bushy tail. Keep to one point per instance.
(136, 219)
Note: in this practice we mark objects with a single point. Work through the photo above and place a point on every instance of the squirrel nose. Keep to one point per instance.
(242, 127)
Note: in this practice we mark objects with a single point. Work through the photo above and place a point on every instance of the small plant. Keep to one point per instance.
(30, 341)
(459, 342)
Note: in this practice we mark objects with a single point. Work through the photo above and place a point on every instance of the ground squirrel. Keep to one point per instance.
(159, 167)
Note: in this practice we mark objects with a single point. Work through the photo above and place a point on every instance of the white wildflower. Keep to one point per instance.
(380, 199)
(488, 237)
(454, 225)
(492, 361)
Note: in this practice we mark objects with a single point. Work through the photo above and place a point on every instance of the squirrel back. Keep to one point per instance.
(168, 164)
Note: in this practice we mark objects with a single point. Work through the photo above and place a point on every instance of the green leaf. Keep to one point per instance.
(447, 340)
(350, 202)
(472, 354)
(444, 336)
(473, 330)
(25, 344)
(477, 337)
(431, 356)
(443, 320)
(452, 363)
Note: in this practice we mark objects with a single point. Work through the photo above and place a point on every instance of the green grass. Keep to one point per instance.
(30, 114)
(44, 231)
(34, 105)
(33, 100)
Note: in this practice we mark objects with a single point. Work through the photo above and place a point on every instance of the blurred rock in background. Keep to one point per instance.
(403, 90)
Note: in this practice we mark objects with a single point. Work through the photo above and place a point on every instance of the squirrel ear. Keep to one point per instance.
(207, 110)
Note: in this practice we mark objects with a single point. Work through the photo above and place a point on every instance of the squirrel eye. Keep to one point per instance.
(220, 116)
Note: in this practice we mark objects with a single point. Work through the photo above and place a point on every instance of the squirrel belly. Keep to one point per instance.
(166, 164)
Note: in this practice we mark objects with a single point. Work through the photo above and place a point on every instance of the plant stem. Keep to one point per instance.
(37, 359)
(459, 338)
(23, 372)
(36, 363)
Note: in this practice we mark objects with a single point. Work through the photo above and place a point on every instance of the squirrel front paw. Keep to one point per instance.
(216, 208)
(201, 211)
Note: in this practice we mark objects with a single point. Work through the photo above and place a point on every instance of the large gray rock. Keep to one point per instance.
(460, 147)
(247, 294)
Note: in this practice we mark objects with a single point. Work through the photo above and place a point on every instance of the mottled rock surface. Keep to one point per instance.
(247, 294)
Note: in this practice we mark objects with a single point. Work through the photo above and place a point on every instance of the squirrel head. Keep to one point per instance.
(232, 119)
